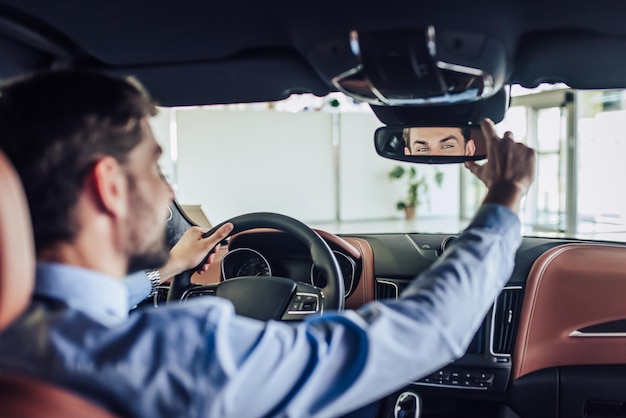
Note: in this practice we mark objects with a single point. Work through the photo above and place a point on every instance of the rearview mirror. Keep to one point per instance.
(431, 144)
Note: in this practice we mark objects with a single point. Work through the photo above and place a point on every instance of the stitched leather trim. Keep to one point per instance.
(571, 287)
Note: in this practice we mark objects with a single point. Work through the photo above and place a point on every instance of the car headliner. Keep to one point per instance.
(200, 52)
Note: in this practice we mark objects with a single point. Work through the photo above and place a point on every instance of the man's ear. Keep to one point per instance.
(470, 148)
(110, 186)
(406, 151)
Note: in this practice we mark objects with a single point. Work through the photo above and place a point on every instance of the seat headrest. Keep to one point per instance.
(17, 254)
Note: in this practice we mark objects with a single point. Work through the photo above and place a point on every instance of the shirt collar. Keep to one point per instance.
(102, 297)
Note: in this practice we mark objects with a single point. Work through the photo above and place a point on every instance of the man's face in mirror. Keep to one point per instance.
(444, 141)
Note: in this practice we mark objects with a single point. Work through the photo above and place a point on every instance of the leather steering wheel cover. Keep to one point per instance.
(320, 252)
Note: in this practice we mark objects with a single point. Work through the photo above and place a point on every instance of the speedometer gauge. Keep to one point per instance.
(254, 265)
(245, 262)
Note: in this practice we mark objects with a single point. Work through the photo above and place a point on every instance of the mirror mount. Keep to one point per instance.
(451, 114)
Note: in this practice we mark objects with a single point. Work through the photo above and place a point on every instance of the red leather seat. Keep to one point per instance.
(22, 396)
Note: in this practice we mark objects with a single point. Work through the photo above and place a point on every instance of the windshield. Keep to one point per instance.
(313, 159)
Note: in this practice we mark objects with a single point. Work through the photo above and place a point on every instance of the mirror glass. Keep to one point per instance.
(431, 144)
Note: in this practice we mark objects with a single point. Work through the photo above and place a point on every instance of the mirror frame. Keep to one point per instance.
(381, 134)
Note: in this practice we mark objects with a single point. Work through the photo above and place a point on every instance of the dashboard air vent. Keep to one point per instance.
(505, 320)
(445, 244)
(386, 289)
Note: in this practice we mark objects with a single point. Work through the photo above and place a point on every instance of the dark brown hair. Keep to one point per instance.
(54, 126)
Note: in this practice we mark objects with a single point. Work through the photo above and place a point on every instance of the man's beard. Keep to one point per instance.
(144, 255)
(151, 259)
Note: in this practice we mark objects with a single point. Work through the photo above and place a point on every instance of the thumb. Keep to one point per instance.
(220, 234)
(472, 166)
(478, 170)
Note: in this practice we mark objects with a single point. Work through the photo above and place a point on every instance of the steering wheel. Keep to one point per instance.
(273, 297)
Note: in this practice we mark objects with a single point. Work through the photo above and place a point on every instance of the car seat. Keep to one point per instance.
(22, 396)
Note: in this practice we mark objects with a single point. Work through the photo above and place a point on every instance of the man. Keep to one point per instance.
(443, 141)
(89, 163)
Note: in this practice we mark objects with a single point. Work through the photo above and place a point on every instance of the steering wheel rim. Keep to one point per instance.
(322, 255)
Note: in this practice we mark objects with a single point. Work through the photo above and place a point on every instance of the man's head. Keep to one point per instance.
(82, 146)
(443, 141)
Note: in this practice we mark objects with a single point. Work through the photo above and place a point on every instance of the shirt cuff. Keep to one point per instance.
(139, 288)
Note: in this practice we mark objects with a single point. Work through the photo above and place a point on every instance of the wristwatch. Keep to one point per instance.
(155, 280)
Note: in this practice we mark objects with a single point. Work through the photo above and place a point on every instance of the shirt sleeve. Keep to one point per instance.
(331, 364)
(139, 288)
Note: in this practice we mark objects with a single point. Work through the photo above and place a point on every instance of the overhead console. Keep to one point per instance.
(413, 67)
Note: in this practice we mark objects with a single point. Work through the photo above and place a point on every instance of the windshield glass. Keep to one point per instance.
(313, 159)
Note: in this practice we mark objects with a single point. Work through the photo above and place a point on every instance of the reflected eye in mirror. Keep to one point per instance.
(431, 144)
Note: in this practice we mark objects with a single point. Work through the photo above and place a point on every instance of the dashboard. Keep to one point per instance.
(553, 344)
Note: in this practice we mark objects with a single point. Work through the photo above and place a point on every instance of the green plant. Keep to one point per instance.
(416, 185)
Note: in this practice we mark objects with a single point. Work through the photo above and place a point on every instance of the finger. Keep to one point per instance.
(493, 144)
(219, 235)
(214, 249)
(213, 242)
(225, 230)
(507, 143)
(489, 132)
(204, 266)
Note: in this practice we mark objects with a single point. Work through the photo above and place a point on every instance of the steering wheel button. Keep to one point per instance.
(296, 306)
(298, 298)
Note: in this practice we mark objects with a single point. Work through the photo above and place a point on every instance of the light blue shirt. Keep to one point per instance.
(138, 286)
(199, 359)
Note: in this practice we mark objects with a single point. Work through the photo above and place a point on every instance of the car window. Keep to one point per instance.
(313, 158)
